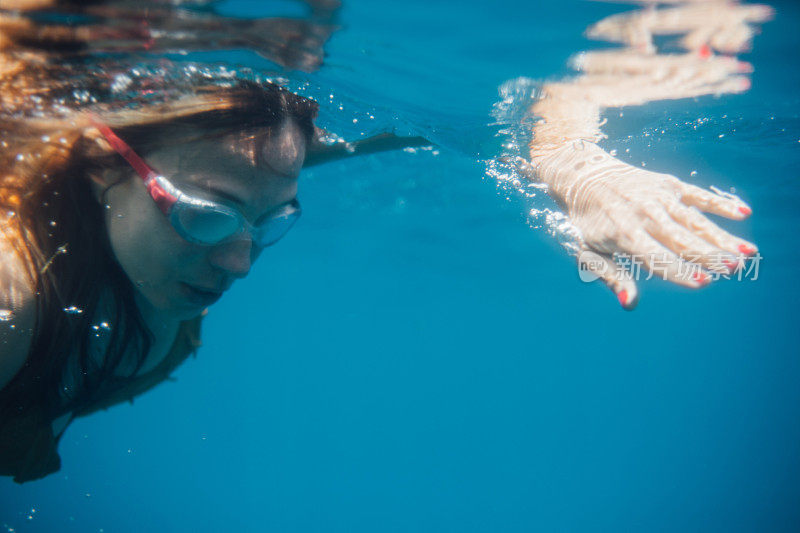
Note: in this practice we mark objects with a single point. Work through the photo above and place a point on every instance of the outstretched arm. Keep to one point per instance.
(623, 209)
(322, 152)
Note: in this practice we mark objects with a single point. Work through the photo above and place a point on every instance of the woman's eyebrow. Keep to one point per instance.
(241, 203)
(275, 171)
(226, 195)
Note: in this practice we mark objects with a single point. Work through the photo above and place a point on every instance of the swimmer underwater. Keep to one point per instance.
(122, 224)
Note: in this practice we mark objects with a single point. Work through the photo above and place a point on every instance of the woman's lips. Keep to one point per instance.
(198, 296)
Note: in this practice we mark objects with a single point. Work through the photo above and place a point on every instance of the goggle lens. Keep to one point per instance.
(276, 227)
(208, 226)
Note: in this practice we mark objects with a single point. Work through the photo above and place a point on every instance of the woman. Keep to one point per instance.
(132, 197)
(104, 254)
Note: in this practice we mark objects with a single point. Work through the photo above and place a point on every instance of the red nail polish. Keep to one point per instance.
(732, 265)
(745, 84)
(704, 52)
(700, 277)
(746, 250)
(623, 297)
(743, 209)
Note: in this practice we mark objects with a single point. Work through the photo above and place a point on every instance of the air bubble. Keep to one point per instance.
(120, 83)
(100, 328)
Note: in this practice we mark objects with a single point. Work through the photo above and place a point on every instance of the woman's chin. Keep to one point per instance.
(184, 302)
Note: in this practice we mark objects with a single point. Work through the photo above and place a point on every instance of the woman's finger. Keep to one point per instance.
(594, 265)
(729, 207)
(687, 245)
(662, 262)
(697, 223)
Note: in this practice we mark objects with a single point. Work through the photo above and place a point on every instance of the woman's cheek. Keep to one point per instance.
(136, 233)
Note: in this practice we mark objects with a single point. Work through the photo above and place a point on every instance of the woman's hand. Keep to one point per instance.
(644, 218)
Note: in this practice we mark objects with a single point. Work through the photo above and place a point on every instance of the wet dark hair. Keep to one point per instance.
(62, 234)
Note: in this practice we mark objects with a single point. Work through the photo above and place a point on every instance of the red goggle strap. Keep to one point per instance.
(160, 196)
(163, 199)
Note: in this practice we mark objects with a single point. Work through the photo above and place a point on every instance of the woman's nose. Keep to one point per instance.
(235, 257)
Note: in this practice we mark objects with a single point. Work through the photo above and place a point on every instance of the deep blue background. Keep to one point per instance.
(414, 357)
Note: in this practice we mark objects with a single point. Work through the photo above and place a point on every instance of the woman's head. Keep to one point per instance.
(91, 232)
(249, 173)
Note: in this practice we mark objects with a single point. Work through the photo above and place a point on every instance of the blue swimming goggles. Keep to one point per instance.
(199, 220)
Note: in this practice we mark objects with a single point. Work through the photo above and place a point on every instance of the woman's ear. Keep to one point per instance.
(96, 147)
(99, 186)
(102, 179)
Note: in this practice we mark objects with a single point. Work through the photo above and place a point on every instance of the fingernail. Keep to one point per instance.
(704, 51)
(744, 67)
(743, 209)
(732, 265)
(622, 296)
(746, 250)
(700, 277)
(745, 84)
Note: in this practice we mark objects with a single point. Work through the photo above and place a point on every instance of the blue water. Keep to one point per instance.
(416, 357)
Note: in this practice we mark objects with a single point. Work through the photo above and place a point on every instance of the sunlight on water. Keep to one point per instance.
(511, 170)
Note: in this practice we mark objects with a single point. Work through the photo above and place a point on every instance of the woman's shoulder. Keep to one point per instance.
(17, 306)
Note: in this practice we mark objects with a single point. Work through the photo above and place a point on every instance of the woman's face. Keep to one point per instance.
(179, 278)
